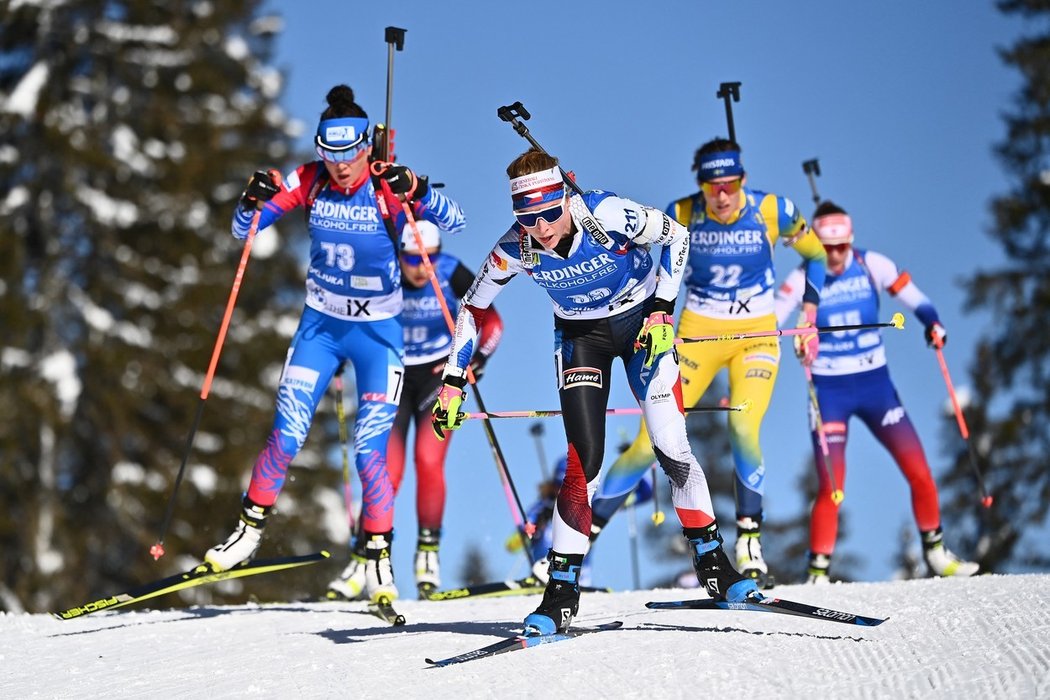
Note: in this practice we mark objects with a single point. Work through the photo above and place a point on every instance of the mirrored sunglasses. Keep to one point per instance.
(341, 155)
(729, 187)
(532, 218)
(412, 260)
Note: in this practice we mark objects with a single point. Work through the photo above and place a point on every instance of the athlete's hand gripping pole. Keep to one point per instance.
(521, 519)
(837, 496)
(964, 431)
(157, 550)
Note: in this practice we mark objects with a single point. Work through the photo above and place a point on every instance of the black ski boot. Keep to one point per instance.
(713, 569)
(561, 599)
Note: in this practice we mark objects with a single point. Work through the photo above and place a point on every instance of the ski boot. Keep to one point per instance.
(350, 584)
(941, 560)
(749, 559)
(817, 573)
(241, 546)
(561, 599)
(428, 571)
(713, 569)
(379, 575)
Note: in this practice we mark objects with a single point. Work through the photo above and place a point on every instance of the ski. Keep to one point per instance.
(384, 610)
(197, 576)
(524, 586)
(772, 605)
(520, 641)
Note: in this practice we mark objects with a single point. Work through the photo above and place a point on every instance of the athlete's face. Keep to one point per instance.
(837, 257)
(349, 173)
(724, 195)
(413, 268)
(548, 233)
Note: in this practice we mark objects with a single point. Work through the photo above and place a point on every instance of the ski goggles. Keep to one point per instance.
(529, 219)
(730, 187)
(413, 260)
(341, 140)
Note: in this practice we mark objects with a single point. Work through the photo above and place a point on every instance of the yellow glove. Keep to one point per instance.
(656, 336)
(808, 345)
(446, 409)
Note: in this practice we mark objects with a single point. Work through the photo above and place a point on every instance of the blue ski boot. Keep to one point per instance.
(713, 569)
(561, 599)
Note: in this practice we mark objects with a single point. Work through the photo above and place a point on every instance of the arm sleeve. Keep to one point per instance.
(653, 227)
(491, 325)
(789, 295)
(899, 284)
(498, 269)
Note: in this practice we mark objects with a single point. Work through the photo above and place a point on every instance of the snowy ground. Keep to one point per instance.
(987, 637)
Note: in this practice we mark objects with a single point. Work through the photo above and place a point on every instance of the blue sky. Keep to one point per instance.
(900, 101)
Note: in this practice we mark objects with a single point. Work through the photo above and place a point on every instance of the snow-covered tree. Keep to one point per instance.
(127, 131)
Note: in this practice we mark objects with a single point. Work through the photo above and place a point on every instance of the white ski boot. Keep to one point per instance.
(941, 560)
(241, 546)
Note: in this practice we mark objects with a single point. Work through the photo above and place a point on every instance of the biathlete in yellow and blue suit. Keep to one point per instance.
(730, 285)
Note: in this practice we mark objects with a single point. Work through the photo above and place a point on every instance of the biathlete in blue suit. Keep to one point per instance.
(851, 379)
(352, 314)
(590, 253)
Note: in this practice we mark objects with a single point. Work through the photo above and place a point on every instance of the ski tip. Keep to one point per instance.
(325, 554)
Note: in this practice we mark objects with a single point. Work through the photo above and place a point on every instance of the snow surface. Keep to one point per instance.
(987, 637)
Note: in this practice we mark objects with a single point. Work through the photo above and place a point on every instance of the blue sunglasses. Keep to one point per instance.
(532, 218)
(342, 154)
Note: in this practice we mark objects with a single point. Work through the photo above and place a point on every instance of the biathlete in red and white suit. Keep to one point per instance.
(851, 379)
(590, 254)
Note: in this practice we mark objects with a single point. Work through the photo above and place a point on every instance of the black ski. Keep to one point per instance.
(197, 576)
(384, 610)
(771, 605)
(529, 585)
(520, 641)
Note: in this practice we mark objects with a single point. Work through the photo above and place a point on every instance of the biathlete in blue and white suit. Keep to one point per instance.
(590, 254)
(352, 314)
(851, 379)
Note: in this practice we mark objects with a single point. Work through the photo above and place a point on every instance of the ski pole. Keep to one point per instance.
(344, 436)
(536, 431)
(742, 407)
(511, 113)
(521, 517)
(157, 550)
(897, 322)
(837, 496)
(812, 170)
(658, 515)
(986, 498)
(725, 92)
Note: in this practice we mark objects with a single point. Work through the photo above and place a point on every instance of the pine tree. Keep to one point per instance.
(127, 131)
(1009, 417)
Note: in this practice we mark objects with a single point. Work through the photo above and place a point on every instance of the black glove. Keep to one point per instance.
(261, 188)
(403, 181)
(936, 336)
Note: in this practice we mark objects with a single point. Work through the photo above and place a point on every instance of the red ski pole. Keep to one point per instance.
(157, 550)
